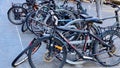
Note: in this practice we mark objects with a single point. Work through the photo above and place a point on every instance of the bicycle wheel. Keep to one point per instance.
(16, 15)
(54, 46)
(108, 56)
(34, 22)
(24, 27)
(22, 57)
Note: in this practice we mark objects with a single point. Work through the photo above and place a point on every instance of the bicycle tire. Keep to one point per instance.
(109, 57)
(31, 24)
(37, 42)
(24, 27)
(16, 61)
(10, 15)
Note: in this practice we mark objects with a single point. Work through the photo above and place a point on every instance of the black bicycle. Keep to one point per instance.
(89, 46)
(18, 11)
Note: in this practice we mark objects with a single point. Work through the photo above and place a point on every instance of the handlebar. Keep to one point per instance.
(116, 11)
(113, 5)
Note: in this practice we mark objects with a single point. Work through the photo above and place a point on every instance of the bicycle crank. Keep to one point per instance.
(47, 58)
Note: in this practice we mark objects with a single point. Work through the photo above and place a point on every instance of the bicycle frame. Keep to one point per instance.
(69, 43)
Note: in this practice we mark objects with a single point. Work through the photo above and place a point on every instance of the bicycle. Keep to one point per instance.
(91, 43)
(17, 13)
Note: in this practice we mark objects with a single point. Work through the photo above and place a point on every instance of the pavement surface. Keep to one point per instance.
(13, 41)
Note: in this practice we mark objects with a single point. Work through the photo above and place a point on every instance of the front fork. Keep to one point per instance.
(50, 47)
(48, 56)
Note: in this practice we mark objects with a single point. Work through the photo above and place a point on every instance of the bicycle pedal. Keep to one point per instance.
(47, 58)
